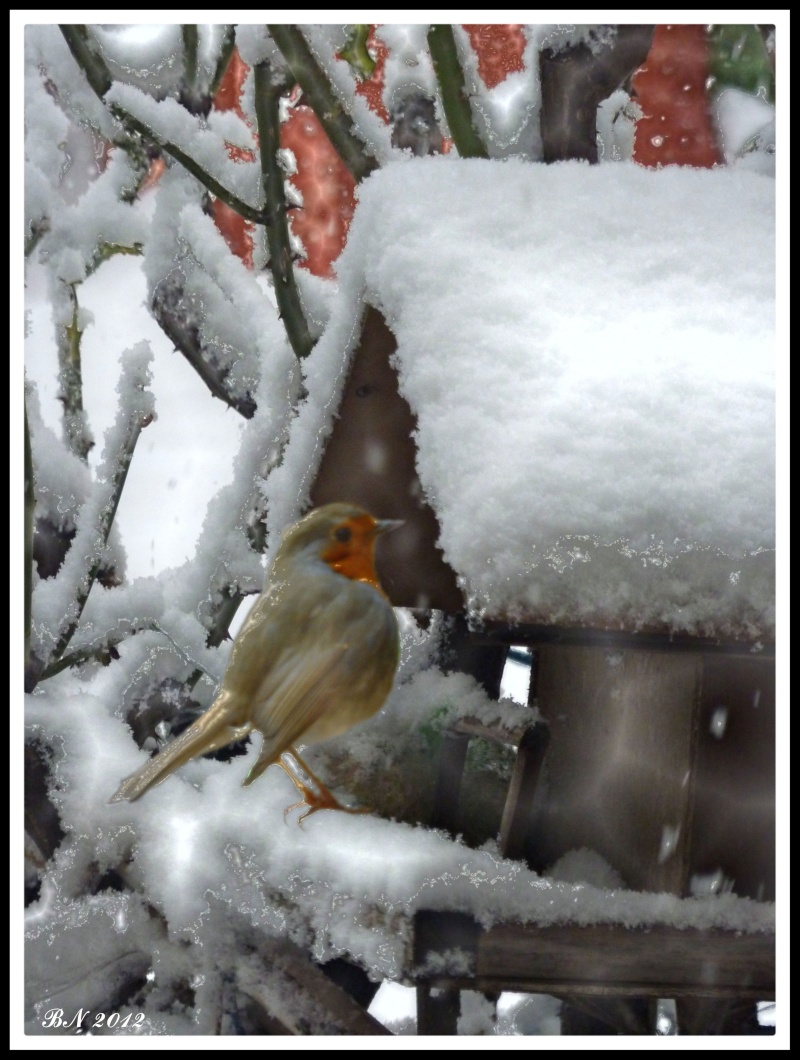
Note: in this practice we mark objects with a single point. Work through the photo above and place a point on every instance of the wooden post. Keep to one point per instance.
(619, 763)
(437, 1010)
(515, 827)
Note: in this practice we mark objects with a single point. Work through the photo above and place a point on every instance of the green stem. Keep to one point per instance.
(318, 93)
(189, 35)
(225, 52)
(267, 99)
(94, 68)
(30, 505)
(455, 101)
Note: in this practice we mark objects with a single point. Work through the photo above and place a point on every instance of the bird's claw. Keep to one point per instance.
(313, 803)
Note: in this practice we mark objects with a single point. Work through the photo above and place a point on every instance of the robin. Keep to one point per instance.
(316, 655)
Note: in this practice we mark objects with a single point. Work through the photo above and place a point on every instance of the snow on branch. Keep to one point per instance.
(58, 603)
(267, 100)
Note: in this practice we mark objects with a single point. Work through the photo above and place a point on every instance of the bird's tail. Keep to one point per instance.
(213, 730)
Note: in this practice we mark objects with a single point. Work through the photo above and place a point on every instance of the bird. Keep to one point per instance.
(316, 655)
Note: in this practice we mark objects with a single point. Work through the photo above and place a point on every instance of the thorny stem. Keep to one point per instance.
(321, 98)
(249, 213)
(30, 505)
(189, 35)
(75, 658)
(100, 81)
(185, 336)
(455, 101)
(107, 515)
(224, 57)
(267, 99)
(71, 390)
(94, 68)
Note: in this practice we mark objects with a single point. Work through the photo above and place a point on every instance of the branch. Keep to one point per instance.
(189, 36)
(267, 101)
(313, 80)
(249, 213)
(96, 71)
(100, 80)
(94, 532)
(455, 100)
(185, 336)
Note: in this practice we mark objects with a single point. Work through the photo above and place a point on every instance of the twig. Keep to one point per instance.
(318, 93)
(267, 100)
(455, 101)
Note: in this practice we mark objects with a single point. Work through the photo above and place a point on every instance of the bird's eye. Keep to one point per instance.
(343, 533)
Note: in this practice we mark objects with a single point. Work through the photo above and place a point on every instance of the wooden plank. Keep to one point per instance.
(497, 628)
(559, 988)
(494, 733)
(515, 827)
(296, 994)
(661, 961)
(733, 819)
(620, 756)
(437, 1010)
(446, 811)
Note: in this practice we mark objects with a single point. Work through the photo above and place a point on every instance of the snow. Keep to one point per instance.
(575, 325)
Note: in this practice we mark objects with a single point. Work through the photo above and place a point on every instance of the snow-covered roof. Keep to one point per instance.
(589, 352)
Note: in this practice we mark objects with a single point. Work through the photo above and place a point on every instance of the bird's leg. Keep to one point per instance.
(321, 799)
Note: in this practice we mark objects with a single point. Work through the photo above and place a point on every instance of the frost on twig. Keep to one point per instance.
(58, 603)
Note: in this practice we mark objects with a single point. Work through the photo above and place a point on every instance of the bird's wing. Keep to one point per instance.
(295, 694)
(214, 729)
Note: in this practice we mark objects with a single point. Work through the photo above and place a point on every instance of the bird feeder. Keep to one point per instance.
(569, 402)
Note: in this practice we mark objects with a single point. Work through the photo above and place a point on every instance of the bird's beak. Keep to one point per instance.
(383, 526)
